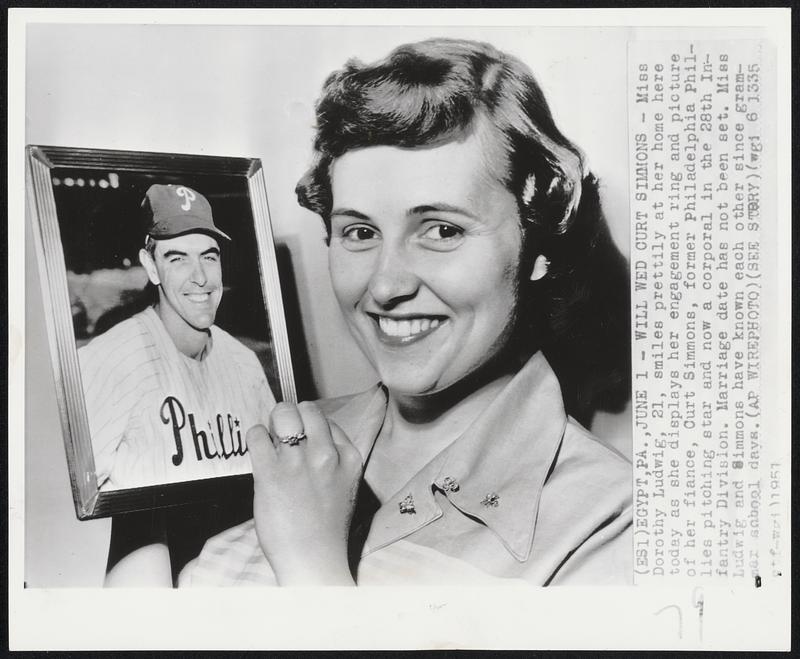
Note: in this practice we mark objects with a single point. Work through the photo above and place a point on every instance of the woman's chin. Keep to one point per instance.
(410, 385)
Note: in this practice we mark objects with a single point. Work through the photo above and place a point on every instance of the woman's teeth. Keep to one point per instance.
(406, 327)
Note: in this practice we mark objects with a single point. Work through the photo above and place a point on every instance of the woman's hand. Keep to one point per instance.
(304, 494)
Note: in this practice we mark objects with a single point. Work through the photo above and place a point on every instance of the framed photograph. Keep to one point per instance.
(165, 320)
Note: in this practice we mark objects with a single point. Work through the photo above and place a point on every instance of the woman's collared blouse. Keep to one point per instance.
(526, 494)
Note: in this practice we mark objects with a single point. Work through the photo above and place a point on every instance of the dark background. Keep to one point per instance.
(103, 229)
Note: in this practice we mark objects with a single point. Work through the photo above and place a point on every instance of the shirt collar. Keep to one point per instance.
(494, 472)
(158, 327)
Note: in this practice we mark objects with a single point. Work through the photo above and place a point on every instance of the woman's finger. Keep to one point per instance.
(262, 453)
(344, 447)
(320, 445)
(286, 429)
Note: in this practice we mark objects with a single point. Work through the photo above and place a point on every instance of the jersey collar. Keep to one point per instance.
(494, 473)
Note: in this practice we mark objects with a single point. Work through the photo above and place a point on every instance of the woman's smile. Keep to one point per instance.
(402, 331)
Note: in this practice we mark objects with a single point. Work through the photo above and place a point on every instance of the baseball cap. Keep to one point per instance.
(173, 210)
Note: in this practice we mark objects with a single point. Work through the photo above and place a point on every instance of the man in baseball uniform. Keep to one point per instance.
(169, 395)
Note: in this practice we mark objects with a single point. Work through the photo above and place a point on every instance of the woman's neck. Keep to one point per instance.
(418, 428)
(444, 415)
(460, 403)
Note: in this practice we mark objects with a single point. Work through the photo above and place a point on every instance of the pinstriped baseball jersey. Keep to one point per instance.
(157, 416)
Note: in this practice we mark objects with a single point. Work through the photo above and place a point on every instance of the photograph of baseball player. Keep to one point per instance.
(176, 351)
(167, 392)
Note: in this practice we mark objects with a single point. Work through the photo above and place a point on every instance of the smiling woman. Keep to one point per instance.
(467, 251)
(439, 243)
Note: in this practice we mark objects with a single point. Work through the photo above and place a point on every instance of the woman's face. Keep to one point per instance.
(424, 258)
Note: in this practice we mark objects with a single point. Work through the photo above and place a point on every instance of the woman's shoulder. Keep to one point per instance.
(577, 433)
(589, 496)
(595, 460)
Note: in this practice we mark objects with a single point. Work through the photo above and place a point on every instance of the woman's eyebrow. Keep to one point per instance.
(349, 212)
(441, 207)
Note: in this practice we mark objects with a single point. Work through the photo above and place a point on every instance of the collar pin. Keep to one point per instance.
(407, 505)
(491, 500)
(450, 485)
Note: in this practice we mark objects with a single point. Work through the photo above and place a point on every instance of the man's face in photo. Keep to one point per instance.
(188, 271)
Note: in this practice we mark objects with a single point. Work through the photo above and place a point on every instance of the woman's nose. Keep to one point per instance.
(393, 279)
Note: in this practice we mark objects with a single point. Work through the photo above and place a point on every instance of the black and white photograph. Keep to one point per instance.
(412, 304)
(168, 392)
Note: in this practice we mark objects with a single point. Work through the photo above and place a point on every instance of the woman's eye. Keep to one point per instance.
(443, 232)
(358, 236)
(360, 233)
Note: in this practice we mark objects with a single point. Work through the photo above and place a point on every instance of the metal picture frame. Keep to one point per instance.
(67, 190)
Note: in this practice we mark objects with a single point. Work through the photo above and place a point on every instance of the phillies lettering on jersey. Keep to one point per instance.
(172, 413)
(158, 416)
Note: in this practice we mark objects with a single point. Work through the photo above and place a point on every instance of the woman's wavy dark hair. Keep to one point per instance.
(439, 90)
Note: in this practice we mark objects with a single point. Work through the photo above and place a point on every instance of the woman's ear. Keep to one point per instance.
(540, 267)
(149, 266)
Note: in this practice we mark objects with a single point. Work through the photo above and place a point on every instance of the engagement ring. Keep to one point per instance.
(294, 439)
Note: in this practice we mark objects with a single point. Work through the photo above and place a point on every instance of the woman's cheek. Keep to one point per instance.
(348, 279)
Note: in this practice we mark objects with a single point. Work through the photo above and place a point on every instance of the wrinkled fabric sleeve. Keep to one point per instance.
(604, 559)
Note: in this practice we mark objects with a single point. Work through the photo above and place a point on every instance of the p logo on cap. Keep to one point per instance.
(187, 194)
(173, 210)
